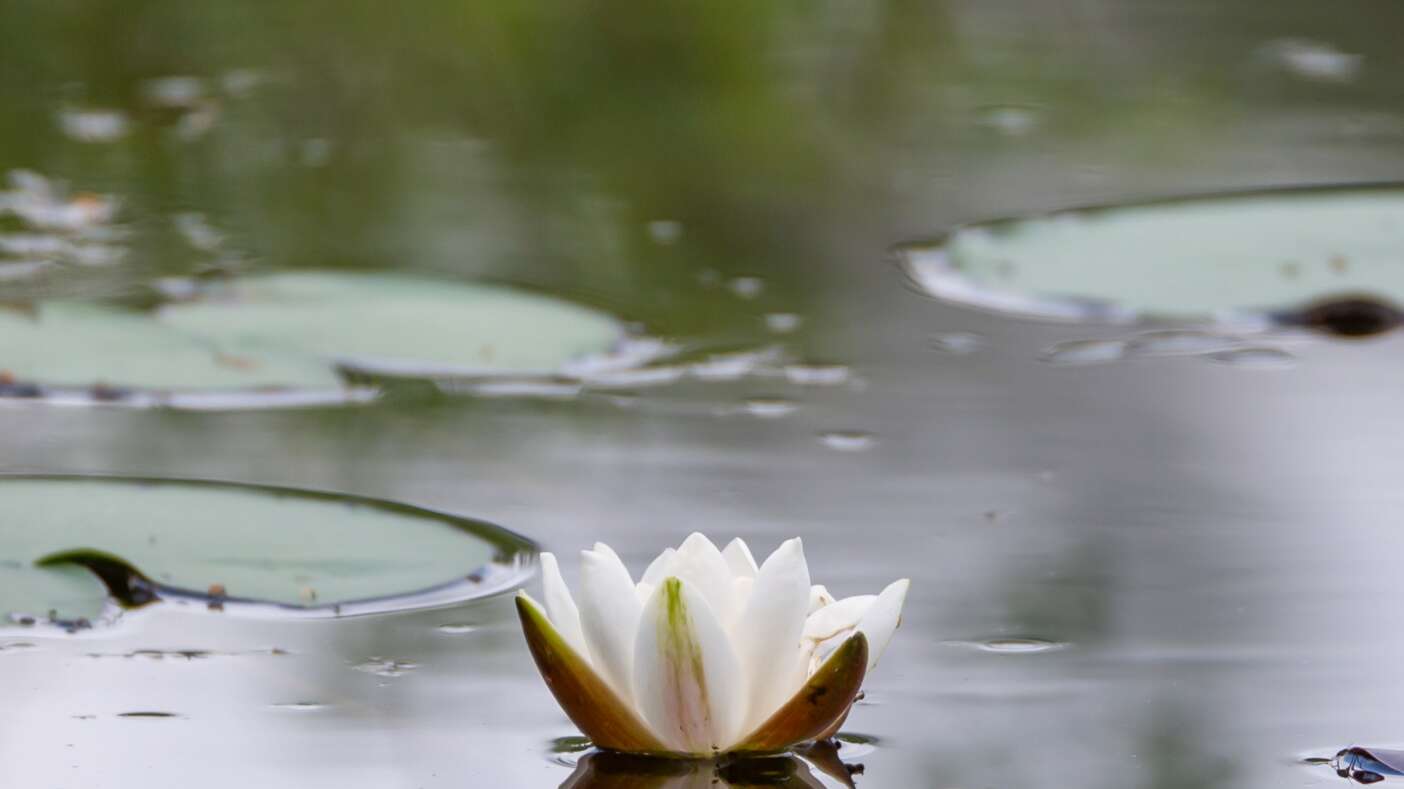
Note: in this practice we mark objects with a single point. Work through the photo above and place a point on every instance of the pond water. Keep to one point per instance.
(1171, 567)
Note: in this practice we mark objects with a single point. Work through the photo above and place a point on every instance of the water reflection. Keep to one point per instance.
(606, 770)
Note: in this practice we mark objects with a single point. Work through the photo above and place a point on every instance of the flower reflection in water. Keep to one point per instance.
(611, 770)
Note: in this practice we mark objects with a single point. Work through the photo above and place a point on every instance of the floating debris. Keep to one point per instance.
(197, 232)
(848, 440)
(770, 407)
(747, 287)
(817, 374)
(1316, 61)
(175, 92)
(959, 343)
(734, 366)
(93, 125)
(665, 231)
(385, 667)
(1011, 120)
(783, 322)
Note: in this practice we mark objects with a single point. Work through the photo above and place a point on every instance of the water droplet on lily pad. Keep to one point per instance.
(81, 545)
(1247, 259)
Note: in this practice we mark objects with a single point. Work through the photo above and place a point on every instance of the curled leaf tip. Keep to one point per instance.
(125, 583)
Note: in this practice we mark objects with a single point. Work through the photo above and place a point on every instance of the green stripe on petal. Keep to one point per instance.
(589, 703)
(822, 702)
(687, 679)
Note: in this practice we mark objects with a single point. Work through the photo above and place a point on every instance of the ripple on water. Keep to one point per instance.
(1012, 646)
(1085, 352)
(1266, 359)
(566, 751)
(853, 745)
(1181, 342)
(300, 706)
(456, 628)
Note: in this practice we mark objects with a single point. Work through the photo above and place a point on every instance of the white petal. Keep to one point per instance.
(833, 619)
(881, 619)
(608, 551)
(644, 590)
(659, 568)
(687, 679)
(700, 564)
(742, 588)
(819, 597)
(767, 636)
(560, 606)
(738, 558)
(609, 618)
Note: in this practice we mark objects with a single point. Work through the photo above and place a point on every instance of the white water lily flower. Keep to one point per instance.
(707, 653)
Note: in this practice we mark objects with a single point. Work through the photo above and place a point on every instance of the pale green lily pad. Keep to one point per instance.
(76, 345)
(398, 325)
(291, 339)
(295, 551)
(1249, 257)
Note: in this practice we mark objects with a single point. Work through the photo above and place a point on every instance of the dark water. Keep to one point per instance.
(1208, 549)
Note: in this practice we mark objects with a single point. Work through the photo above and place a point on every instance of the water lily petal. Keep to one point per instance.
(823, 700)
(701, 565)
(833, 619)
(881, 619)
(742, 588)
(588, 701)
(819, 597)
(609, 618)
(560, 606)
(687, 679)
(767, 636)
(644, 590)
(659, 568)
(608, 551)
(739, 559)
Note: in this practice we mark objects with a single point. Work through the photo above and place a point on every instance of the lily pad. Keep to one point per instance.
(398, 325)
(70, 344)
(292, 339)
(237, 545)
(1268, 257)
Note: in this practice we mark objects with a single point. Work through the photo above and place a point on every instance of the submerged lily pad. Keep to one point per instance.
(226, 543)
(262, 340)
(397, 325)
(1268, 257)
